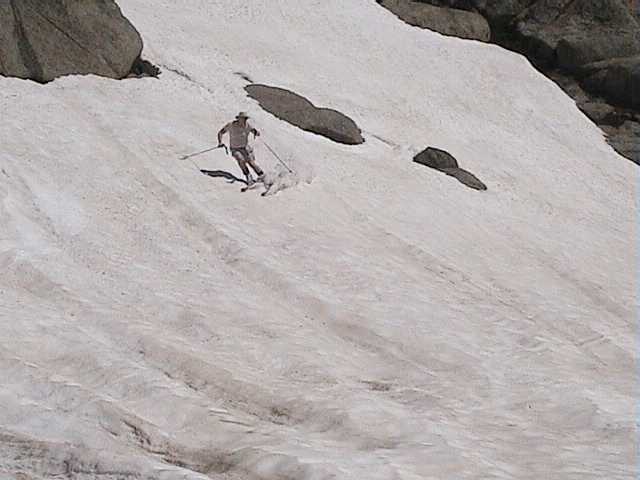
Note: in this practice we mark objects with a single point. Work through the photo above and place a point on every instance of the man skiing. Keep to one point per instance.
(239, 131)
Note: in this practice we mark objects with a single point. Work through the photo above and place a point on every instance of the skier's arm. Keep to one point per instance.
(222, 131)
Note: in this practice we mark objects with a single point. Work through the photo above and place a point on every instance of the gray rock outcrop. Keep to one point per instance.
(445, 162)
(453, 22)
(43, 40)
(299, 111)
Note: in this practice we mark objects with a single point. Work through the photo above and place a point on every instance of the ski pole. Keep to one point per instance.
(204, 151)
(276, 155)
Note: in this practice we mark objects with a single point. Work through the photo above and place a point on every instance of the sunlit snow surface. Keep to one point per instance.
(374, 319)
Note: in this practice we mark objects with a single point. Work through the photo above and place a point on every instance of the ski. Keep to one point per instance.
(250, 187)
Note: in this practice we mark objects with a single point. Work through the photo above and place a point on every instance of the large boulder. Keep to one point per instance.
(448, 21)
(436, 158)
(617, 79)
(572, 52)
(571, 33)
(495, 11)
(446, 163)
(502, 11)
(42, 40)
(299, 111)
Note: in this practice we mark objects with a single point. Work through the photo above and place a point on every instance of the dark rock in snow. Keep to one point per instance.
(143, 68)
(42, 40)
(299, 111)
(448, 21)
(436, 158)
(445, 162)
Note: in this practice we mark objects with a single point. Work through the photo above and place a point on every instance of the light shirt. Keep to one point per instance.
(238, 134)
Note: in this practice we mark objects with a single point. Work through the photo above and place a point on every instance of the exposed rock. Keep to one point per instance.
(143, 68)
(598, 112)
(595, 107)
(445, 162)
(43, 40)
(436, 158)
(501, 12)
(575, 51)
(496, 11)
(621, 125)
(570, 33)
(465, 177)
(299, 111)
(617, 79)
(448, 21)
(624, 138)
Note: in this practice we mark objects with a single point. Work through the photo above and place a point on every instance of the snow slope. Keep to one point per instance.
(380, 322)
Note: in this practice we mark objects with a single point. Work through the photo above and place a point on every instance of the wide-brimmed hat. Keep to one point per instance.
(242, 115)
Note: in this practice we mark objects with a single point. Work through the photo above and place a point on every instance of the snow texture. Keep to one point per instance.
(287, 175)
(379, 322)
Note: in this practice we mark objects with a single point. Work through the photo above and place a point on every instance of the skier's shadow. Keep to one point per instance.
(223, 174)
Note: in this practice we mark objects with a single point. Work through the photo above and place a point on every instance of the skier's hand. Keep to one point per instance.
(256, 133)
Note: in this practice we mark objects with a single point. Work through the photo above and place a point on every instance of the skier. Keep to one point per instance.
(239, 131)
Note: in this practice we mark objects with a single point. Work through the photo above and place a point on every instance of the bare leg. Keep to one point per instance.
(252, 162)
(256, 168)
(242, 163)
